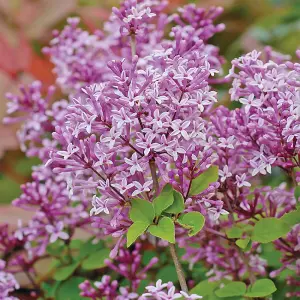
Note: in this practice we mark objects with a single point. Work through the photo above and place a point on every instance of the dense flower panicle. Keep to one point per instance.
(31, 108)
(79, 57)
(128, 264)
(140, 115)
(271, 111)
(56, 216)
(152, 115)
(8, 283)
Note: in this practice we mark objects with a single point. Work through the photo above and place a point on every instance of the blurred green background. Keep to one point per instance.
(26, 25)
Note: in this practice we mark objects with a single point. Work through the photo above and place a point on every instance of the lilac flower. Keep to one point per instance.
(139, 188)
(56, 232)
(225, 173)
(133, 162)
(70, 151)
(99, 205)
(8, 283)
(165, 291)
(241, 181)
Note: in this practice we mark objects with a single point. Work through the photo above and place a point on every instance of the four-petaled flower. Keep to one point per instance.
(141, 188)
(56, 232)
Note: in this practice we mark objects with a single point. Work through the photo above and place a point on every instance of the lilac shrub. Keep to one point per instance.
(139, 149)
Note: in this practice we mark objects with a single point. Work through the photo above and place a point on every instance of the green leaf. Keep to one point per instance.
(297, 192)
(271, 255)
(69, 290)
(261, 288)
(205, 288)
(57, 248)
(134, 231)
(89, 247)
(292, 218)
(194, 221)
(167, 273)
(142, 211)
(142, 285)
(147, 256)
(9, 188)
(95, 260)
(269, 229)
(234, 232)
(76, 244)
(163, 200)
(50, 289)
(200, 183)
(63, 273)
(243, 243)
(232, 289)
(178, 204)
(165, 229)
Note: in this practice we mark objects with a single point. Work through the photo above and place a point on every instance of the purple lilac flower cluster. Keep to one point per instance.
(141, 114)
(8, 283)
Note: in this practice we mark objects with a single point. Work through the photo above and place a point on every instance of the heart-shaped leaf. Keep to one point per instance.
(194, 221)
(141, 211)
(95, 260)
(165, 229)
(269, 229)
(234, 232)
(63, 273)
(200, 183)
(232, 289)
(178, 204)
(134, 231)
(261, 288)
(163, 200)
(292, 218)
(243, 243)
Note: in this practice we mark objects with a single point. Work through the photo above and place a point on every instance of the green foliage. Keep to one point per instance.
(261, 288)
(69, 290)
(142, 214)
(234, 232)
(134, 231)
(269, 229)
(56, 249)
(200, 183)
(167, 273)
(243, 243)
(9, 189)
(147, 256)
(232, 289)
(76, 244)
(142, 211)
(164, 200)
(292, 218)
(23, 166)
(95, 260)
(297, 192)
(88, 248)
(50, 289)
(272, 255)
(193, 221)
(206, 289)
(62, 273)
(165, 229)
(177, 205)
